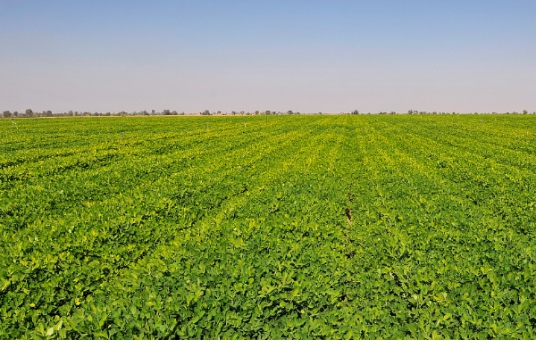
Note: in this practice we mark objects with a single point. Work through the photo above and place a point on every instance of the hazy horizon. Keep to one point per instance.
(305, 56)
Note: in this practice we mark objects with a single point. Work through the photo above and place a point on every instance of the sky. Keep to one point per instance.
(302, 55)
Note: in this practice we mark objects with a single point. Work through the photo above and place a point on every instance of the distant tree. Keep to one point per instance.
(30, 113)
(7, 113)
(525, 112)
(290, 112)
(355, 112)
(166, 112)
(206, 112)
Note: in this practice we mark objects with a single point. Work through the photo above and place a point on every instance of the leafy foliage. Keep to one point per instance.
(288, 227)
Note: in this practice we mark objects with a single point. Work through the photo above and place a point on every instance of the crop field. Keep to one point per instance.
(380, 226)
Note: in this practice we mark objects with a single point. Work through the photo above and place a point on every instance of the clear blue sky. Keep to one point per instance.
(307, 56)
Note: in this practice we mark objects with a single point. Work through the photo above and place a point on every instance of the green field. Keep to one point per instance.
(380, 226)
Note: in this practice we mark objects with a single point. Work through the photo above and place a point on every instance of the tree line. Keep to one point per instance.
(166, 112)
